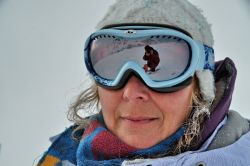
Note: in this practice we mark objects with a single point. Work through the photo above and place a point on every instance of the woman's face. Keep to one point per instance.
(141, 117)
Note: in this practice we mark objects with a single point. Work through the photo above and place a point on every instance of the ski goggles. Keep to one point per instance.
(112, 55)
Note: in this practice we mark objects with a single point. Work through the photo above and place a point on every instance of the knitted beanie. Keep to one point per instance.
(175, 13)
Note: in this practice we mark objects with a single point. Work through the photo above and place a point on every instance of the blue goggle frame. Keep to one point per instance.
(202, 58)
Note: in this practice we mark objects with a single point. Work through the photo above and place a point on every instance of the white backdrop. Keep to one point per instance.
(41, 65)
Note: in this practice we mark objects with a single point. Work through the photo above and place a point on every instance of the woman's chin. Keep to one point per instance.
(139, 139)
(140, 133)
(139, 143)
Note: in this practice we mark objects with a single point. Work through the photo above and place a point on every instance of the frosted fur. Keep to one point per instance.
(206, 83)
(178, 13)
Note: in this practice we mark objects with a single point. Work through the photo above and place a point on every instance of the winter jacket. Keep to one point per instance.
(225, 137)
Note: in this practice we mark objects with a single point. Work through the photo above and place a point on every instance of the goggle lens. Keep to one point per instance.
(109, 54)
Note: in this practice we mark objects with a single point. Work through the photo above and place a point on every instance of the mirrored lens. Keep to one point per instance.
(161, 57)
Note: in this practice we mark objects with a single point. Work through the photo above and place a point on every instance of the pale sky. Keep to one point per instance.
(42, 69)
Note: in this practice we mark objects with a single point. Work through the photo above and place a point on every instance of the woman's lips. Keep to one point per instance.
(139, 120)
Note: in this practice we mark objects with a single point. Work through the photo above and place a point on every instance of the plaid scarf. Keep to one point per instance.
(99, 146)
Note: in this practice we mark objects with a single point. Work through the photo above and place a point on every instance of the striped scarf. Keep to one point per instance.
(99, 146)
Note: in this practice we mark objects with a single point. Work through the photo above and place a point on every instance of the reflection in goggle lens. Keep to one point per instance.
(161, 57)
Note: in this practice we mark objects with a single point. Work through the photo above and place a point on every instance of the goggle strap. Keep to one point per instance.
(209, 58)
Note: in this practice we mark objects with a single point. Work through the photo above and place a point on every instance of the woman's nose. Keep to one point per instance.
(135, 90)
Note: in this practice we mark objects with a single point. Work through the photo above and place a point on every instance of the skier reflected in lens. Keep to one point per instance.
(152, 58)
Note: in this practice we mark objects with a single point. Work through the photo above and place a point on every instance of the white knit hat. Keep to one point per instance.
(177, 13)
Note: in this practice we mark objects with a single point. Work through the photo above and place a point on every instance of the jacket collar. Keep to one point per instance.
(225, 76)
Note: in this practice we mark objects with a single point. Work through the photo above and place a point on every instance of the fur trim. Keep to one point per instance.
(177, 13)
(206, 84)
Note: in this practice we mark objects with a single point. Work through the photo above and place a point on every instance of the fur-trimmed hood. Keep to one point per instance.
(225, 76)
